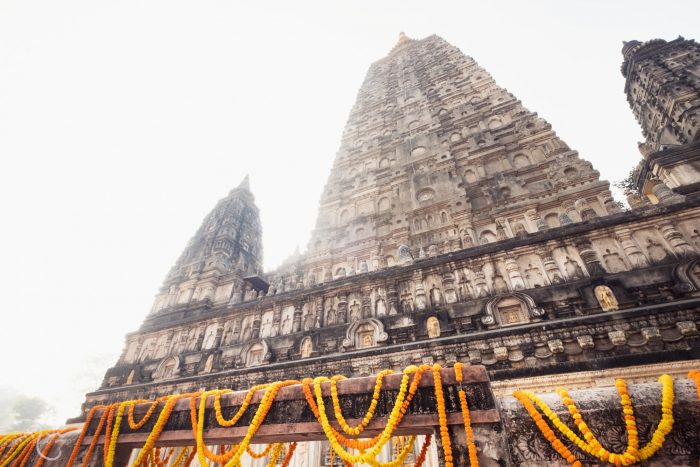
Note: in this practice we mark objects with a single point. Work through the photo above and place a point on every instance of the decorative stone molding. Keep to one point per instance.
(378, 334)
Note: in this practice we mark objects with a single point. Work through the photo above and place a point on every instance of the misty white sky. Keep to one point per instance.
(123, 122)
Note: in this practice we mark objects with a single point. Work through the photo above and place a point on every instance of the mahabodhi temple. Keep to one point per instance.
(455, 228)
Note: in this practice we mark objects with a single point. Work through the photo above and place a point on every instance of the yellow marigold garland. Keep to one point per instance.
(203, 452)
(111, 447)
(163, 417)
(356, 430)
(244, 406)
(260, 455)
(258, 418)
(369, 456)
(469, 433)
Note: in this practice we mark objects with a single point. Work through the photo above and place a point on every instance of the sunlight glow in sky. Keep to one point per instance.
(123, 122)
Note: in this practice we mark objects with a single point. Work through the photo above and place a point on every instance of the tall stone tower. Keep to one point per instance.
(226, 248)
(662, 83)
(436, 157)
(455, 226)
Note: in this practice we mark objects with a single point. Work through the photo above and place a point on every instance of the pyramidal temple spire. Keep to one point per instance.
(245, 183)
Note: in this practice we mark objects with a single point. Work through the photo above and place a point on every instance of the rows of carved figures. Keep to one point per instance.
(501, 276)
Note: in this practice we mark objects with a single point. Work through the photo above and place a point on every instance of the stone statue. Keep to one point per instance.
(657, 253)
(613, 262)
(367, 340)
(380, 308)
(435, 295)
(573, 269)
(499, 284)
(331, 317)
(354, 312)
(250, 294)
(433, 326)
(606, 298)
(306, 347)
(534, 276)
(308, 321)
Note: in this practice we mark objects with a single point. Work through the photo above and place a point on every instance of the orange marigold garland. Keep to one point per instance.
(471, 447)
(134, 425)
(423, 451)
(695, 376)
(546, 430)
(290, 452)
(442, 416)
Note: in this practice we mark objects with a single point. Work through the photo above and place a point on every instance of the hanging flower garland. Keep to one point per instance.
(290, 453)
(203, 452)
(134, 425)
(259, 455)
(442, 416)
(244, 406)
(469, 433)
(356, 430)
(695, 376)
(163, 417)
(590, 444)
(47, 449)
(423, 451)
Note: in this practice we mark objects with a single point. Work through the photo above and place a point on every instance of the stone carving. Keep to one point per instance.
(433, 326)
(365, 333)
(380, 307)
(573, 269)
(404, 255)
(617, 337)
(657, 253)
(515, 308)
(606, 298)
(306, 347)
(435, 296)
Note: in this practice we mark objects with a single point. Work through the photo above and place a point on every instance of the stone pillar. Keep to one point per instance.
(256, 325)
(676, 239)
(513, 270)
(393, 297)
(589, 256)
(448, 282)
(609, 203)
(551, 268)
(296, 322)
(664, 194)
(366, 304)
(236, 333)
(276, 320)
(571, 211)
(319, 314)
(631, 249)
(342, 308)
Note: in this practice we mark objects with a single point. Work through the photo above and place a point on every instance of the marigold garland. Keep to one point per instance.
(290, 452)
(442, 416)
(203, 452)
(590, 444)
(423, 451)
(469, 433)
(356, 430)
(16, 448)
(695, 376)
(134, 425)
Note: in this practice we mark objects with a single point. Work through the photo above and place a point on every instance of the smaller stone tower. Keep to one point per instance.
(663, 89)
(226, 248)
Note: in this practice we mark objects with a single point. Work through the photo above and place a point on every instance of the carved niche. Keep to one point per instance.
(687, 276)
(511, 309)
(606, 298)
(306, 347)
(168, 368)
(365, 333)
(255, 353)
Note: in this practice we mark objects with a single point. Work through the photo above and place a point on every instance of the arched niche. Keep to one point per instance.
(521, 160)
(687, 276)
(384, 204)
(255, 353)
(167, 369)
(511, 309)
(364, 333)
(487, 237)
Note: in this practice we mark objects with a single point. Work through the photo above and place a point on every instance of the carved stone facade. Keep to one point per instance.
(455, 226)
(663, 89)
